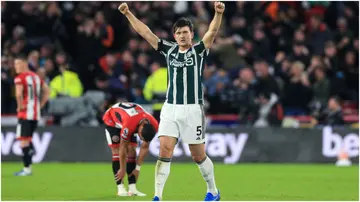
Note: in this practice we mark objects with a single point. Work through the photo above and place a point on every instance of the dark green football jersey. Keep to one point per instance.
(185, 72)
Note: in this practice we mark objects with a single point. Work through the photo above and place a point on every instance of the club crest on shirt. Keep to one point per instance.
(115, 138)
(189, 54)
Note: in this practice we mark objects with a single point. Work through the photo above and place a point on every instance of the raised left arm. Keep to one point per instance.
(210, 35)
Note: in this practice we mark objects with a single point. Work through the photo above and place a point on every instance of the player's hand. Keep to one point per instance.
(135, 173)
(219, 7)
(123, 8)
(120, 174)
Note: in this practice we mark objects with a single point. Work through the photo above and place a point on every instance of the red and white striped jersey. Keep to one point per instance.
(31, 83)
(127, 116)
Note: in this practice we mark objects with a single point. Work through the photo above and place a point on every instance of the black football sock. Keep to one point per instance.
(130, 166)
(32, 149)
(26, 157)
(116, 166)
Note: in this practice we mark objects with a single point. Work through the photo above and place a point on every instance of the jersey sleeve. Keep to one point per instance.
(164, 46)
(116, 117)
(18, 80)
(125, 134)
(200, 49)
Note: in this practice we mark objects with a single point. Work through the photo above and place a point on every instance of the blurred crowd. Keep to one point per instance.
(270, 59)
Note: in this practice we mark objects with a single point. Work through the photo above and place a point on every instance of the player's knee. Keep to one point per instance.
(198, 158)
(167, 145)
(166, 151)
(131, 152)
(24, 143)
(114, 150)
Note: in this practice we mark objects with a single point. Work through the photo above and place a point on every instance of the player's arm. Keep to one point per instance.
(19, 95)
(210, 35)
(45, 91)
(124, 142)
(139, 26)
(123, 153)
(144, 150)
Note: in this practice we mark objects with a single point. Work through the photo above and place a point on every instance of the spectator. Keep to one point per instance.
(266, 83)
(114, 79)
(155, 88)
(141, 70)
(321, 90)
(50, 70)
(105, 29)
(66, 84)
(214, 86)
(300, 53)
(33, 60)
(4, 35)
(269, 111)
(343, 36)
(133, 46)
(321, 87)
(315, 62)
(332, 115)
(245, 95)
(7, 73)
(46, 52)
(351, 69)
(297, 92)
(318, 34)
(331, 59)
(261, 44)
(94, 42)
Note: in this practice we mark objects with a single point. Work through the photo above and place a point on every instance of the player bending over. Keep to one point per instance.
(28, 89)
(182, 114)
(123, 121)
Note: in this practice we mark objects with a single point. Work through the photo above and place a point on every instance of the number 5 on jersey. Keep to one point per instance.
(199, 132)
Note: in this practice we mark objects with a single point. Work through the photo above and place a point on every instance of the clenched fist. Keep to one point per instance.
(219, 7)
(123, 8)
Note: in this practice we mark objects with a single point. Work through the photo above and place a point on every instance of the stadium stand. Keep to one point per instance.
(272, 61)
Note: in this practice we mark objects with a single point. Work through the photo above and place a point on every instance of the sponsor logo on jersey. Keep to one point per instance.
(180, 64)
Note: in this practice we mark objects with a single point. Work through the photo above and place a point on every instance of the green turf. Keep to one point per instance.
(80, 181)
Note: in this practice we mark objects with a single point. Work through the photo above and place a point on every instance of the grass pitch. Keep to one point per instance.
(94, 181)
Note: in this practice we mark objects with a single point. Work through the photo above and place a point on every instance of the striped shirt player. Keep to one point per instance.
(31, 83)
(29, 114)
(185, 72)
(32, 94)
(182, 114)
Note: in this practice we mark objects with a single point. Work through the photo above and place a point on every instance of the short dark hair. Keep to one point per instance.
(148, 132)
(21, 57)
(182, 22)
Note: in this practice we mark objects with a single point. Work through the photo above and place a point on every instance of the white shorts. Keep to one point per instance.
(183, 121)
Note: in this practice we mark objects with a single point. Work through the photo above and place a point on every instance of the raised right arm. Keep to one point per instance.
(139, 26)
